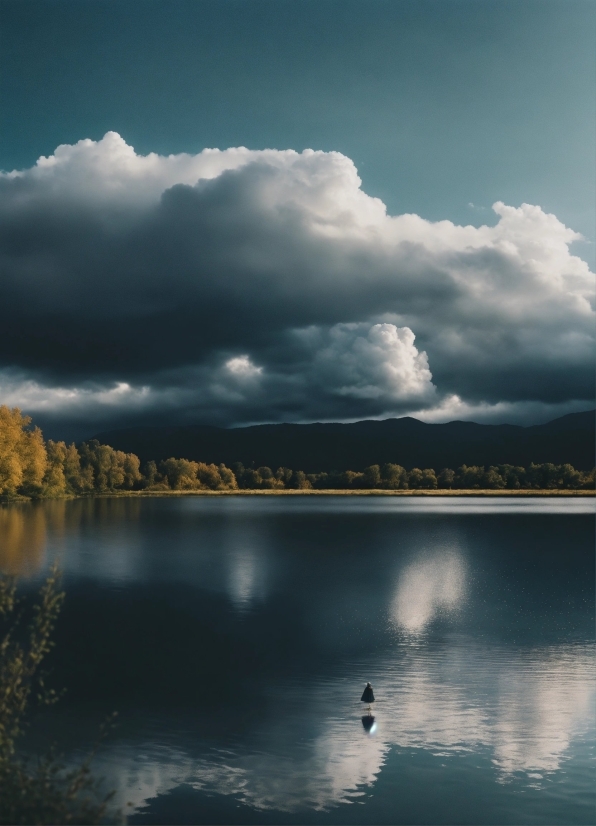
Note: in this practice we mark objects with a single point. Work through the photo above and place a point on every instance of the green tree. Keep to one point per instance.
(429, 479)
(353, 479)
(415, 478)
(284, 474)
(371, 477)
(250, 479)
(569, 477)
(267, 479)
(513, 477)
(40, 791)
(394, 477)
(543, 477)
(446, 478)
(321, 481)
(151, 475)
(493, 479)
(470, 478)
(299, 481)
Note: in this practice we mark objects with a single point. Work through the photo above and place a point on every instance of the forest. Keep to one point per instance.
(33, 467)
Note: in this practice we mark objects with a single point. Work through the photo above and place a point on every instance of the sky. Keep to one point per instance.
(241, 211)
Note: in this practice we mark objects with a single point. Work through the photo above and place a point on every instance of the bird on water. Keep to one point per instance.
(367, 695)
(368, 721)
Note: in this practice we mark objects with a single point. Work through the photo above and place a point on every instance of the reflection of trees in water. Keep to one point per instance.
(24, 530)
(111, 510)
(22, 539)
(98, 511)
(25, 527)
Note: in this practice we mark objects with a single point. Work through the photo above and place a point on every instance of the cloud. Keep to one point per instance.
(376, 361)
(453, 408)
(244, 285)
(332, 373)
(30, 395)
(242, 367)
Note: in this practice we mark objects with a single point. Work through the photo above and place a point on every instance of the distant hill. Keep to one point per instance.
(407, 441)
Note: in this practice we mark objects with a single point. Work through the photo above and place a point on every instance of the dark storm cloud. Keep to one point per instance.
(243, 286)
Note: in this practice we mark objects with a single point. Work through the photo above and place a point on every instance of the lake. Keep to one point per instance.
(234, 636)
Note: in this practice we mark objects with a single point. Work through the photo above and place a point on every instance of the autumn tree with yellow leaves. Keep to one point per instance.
(23, 455)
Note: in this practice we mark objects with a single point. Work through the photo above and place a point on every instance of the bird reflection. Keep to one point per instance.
(369, 723)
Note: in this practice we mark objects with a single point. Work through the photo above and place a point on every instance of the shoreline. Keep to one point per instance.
(344, 492)
(445, 492)
(119, 494)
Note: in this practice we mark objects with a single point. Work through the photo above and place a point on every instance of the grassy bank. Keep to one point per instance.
(124, 494)
(343, 492)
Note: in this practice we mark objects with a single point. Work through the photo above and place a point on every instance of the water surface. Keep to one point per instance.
(234, 635)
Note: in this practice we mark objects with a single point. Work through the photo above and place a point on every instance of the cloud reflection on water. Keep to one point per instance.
(247, 566)
(524, 709)
(427, 587)
(243, 573)
(541, 708)
(527, 708)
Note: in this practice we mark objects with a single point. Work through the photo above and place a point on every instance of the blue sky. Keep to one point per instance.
(440, 104)
(444, 107)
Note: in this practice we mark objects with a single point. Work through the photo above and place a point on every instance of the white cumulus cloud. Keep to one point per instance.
(242, 367)
(378, 361)
(119, 269)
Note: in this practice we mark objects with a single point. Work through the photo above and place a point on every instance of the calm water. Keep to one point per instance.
(235, 635)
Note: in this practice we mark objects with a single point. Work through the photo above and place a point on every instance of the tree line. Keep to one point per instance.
(395, 477)
(31, 466)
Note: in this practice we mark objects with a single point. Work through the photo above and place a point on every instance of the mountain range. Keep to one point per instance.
(334, 446)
